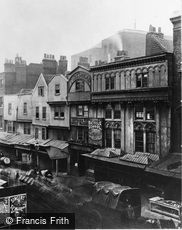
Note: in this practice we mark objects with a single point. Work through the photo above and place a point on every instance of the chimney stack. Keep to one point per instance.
(63, 64)
(49, 64)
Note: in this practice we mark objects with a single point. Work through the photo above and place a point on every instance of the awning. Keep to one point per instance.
(57, 149)
(170, 166)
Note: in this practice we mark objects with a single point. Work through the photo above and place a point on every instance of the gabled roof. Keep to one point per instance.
(48, 77)
(79, 66)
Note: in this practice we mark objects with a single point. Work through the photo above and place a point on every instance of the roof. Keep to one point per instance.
(48, 77)
(165, 44)
(170, 166)
(57, 144)
(139, 157)
(107, 152)
(25, 91)
(115, 160)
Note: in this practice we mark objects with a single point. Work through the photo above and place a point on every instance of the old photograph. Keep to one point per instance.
(90, 114)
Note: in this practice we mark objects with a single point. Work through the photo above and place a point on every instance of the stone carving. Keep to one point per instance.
(113, 124)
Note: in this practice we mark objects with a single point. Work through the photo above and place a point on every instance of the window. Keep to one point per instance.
(9, 108)
(26, 128)
(139, 141)
(108, 138)
(145, 141)
(117, 138)
(1, 101)
(82, 110)
(44, 113)
(82, 135)
(117, 112)
(57, 89)
(59, 112)
(85, 111)
(25, 108)
(41, 91)
(144, 113)
(37, 112)
(139, 114)
(36, 133)
(1, 83)
(149, 113)
(108, 112)
(10, 127)
(44, 136)
(1, 122)
(79, 85)
(112, 82)
(150, 142)
(109, 82)
(142, 79)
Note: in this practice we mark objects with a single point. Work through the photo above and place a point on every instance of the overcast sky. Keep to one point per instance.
(65, 27)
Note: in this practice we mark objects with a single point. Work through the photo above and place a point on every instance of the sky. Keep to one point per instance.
(31, 28)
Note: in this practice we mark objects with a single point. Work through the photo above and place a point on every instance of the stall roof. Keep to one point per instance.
(115, 160)
(169, 166)
(57, 144)
(107, 152)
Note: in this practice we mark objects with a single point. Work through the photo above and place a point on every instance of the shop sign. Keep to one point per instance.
(95, 131)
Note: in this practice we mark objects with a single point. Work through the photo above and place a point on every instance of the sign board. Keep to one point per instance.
(95, 131)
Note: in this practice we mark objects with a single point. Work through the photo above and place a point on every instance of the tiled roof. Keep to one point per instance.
(56, 143)
(107, 152)
(140, 157)
(48, 77)
(25, 91)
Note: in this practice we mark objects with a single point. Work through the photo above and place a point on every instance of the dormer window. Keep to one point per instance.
(41, 91)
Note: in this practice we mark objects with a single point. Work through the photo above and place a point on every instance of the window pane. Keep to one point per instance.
(112, 82)
(150, 142)
(80, 110)
(138, 141)
(139, 114)
(56, 112)
(37, 112)
(117, 112)
(145, 80)
(107, 83)
(150, 113)
(43, 112)
(25, 108)
(44, 134)
(108, 138)
(79, 134)
(85, 111)
(36, 133)
(108, 114)
(117, 138)
(138, 80)
(57, 89)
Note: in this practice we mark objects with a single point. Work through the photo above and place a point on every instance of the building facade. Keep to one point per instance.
(59, 111)
(134, 96)
(24, 116)
(10, 113)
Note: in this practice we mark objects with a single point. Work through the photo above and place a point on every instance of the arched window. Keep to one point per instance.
(110, 82)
